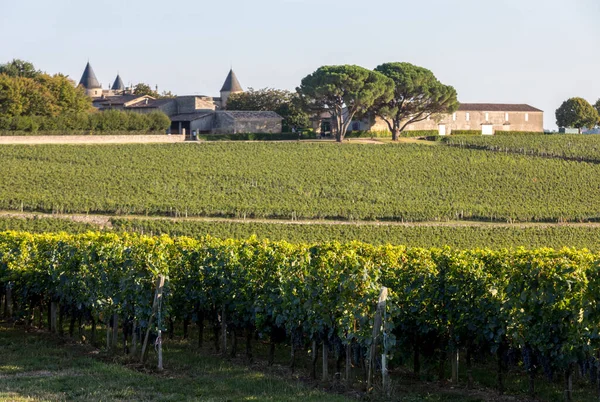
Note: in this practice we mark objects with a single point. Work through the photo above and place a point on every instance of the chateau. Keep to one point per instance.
(189, 114)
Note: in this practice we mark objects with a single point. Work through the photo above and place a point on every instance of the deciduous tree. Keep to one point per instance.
(343, 92)
(576, 113)
(417, 95)
(19, 68)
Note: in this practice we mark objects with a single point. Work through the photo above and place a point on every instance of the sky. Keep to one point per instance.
(539, 52)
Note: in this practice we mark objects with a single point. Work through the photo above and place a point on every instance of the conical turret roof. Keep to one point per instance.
(88, 79)
(231, 83)
(118, 84)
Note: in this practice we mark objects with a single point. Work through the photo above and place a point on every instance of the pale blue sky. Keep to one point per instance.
(511, 51)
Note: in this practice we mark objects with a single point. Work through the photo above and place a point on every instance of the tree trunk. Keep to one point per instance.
(93, 334)
(249, 334)
(224, 330)
(186, 324)
(115, 331)
(348, 361)
(233, 343)
(53, 307)
(569, 383)
(416, 358)
(200, 325)
(271, 352)
(72, 324)
(500, 376)
(171, 327)
(325, 361)
(469, 368)
(61, 314)
(313, 366)
(8, 303)
(395, 134)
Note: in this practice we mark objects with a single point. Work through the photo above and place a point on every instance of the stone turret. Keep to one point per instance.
(118, 86)
(90, 82)
(231, 86)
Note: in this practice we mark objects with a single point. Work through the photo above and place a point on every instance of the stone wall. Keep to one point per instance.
(473, 120)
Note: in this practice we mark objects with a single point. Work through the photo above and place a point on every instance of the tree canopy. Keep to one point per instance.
(284, 103)
(597, 107)
(43, 95)
(576, 113)
(145, 89)
(343, 91)
(417, 95)
(19, 68)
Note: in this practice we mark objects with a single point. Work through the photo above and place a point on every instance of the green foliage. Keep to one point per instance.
(343, 92)
(543, 300)
(566, 146)
(576, 113)
(284, 103)
(109, 121)
(466, 132)
(43, 225)
(388, 134)
(145, 89)
(258, 136)
(42, 95)
(597, 107)
(425, 184)
(19, 68)
(519, 133)
(417, 95)
(459, 236)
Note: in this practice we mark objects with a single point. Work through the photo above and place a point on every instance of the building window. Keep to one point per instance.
(506, 116)
(468, 116)
(453, 116)
(487, 116)
(526, 116)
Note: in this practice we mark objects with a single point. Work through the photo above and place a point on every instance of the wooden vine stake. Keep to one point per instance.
(160, 283)
(378, 322)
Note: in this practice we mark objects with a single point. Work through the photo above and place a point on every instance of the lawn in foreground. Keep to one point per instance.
(37, 367)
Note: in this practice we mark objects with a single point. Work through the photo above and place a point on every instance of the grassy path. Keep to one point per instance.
(104, 221)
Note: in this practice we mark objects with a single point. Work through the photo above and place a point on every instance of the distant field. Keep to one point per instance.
(297, 180)
(569, 146)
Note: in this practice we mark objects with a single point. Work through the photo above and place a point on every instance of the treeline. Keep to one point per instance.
(533, 310)
(32, 101)
(107, 121)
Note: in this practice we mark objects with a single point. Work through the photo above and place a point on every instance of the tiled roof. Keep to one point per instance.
(252, 115)
(190, 116)
(496, 107)
(152, 103)
(117, 99)
(88, 79)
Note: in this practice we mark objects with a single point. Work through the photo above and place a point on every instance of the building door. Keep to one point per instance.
(442, 129)
(487, 129)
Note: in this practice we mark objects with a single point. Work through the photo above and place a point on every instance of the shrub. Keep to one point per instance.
(466, 132)
(519, 133)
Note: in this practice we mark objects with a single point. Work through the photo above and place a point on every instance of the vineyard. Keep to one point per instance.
(585, 148)
(459, 236)
(298, 180)
(535, 311)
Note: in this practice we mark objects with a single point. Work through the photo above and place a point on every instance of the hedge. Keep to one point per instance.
(519, 133)
(466, 132)
(110, 120)
(257, 136)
